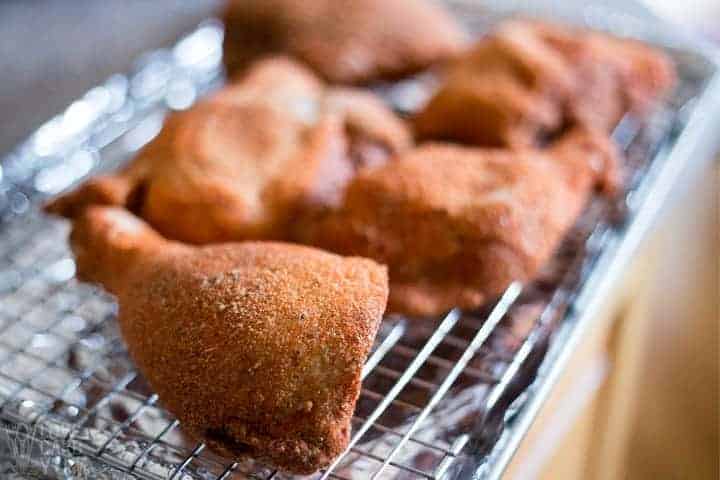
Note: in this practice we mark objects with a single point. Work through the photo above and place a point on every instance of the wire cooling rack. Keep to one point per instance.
(448, 398)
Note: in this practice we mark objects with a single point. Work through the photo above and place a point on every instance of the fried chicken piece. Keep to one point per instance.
(247, 162)
(456, 225)
(256, 347)
(528, 80)
(344, 41)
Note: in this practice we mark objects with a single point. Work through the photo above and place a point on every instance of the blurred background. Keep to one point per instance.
(52, 51)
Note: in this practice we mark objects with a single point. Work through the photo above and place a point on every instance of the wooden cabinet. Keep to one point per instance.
(640, 398)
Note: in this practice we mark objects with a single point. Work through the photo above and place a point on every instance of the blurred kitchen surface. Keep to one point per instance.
(52, 51)
(702, 16)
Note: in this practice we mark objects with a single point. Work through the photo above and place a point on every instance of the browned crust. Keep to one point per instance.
(530, 79)
(251, 159)
(486, 111)
(344, 41)
(456, 225)
(256, 347)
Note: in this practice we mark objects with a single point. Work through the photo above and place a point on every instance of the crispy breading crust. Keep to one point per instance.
(245, 163)
(456, 225)
(344, 41)
(256, 347)
(531, 79)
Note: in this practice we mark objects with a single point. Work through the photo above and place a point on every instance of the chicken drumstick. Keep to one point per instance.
(256, 347)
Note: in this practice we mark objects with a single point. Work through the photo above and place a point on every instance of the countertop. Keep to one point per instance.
(52, 51)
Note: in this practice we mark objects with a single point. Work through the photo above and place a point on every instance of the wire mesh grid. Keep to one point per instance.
(431, 389)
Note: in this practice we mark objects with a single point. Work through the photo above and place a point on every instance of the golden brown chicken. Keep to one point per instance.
(247, 162)
(256, 347)
(529, 80)
(344, 41)
(456, 225)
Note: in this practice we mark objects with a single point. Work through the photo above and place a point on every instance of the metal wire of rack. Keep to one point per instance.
(438, 397)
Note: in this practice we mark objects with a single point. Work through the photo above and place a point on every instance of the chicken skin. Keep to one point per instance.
(248, 161)
(529, 80)
(256, 347)
(344, 41)
(455, 225)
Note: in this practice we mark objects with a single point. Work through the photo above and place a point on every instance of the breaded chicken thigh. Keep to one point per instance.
(245, 163)
(456, 225)
(256, 347)
(528, 80)
(344, 41)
